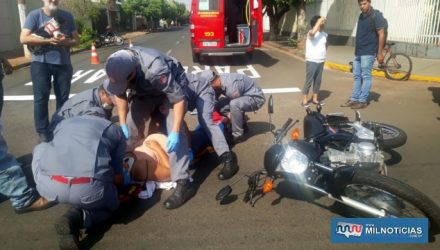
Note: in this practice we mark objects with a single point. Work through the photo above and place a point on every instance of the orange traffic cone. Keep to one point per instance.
(130, 44)
(95, 58)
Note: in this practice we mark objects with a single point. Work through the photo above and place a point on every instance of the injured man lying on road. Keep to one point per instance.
(148, 162)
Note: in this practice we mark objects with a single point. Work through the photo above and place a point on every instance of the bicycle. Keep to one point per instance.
(397, 66)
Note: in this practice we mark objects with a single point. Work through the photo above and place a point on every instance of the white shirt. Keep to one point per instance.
(316, 47)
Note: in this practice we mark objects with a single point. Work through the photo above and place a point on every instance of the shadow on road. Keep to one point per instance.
(126, 213)
(259, 57)
(435, 96)
(392, 157)
(324, 94)
(258, 127)
(374, 96)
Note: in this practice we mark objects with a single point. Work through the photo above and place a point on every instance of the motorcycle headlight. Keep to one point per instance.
(294, 162)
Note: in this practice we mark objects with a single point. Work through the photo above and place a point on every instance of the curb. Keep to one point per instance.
(344, 67)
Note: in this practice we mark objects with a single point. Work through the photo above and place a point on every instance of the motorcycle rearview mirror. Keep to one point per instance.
(223, 193)
(319, 107)
(270, 105)
(358, 116)
(270, 111)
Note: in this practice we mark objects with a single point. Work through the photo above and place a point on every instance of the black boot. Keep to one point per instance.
(183, 192)
(68, 228)
(230, 166)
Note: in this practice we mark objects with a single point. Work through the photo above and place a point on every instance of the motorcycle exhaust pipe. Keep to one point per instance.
(349, 202)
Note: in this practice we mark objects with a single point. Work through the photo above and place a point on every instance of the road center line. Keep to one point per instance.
(52, 97)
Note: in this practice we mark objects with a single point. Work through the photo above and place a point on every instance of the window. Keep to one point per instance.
(208, 5)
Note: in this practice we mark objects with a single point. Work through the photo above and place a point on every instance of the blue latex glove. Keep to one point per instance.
(125, 130)
(126, 175)
(190, 155)
(173, 140)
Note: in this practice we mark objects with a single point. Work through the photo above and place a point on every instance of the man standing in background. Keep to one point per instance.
(51, 32)
(370, 41)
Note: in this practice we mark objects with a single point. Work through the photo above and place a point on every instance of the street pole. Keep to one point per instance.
(22, 14)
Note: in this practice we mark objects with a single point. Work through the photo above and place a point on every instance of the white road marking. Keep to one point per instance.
(168, 52)
(52, 97)
(281, 90)
(27, 97)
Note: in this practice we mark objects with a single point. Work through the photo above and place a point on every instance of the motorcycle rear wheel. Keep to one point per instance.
(396, 198)
(393, 137)
(118, 40)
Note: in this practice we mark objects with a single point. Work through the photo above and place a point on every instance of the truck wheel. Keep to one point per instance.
(249, 56)
(196, 57)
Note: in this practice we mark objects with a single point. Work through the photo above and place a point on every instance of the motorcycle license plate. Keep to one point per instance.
(209, 44)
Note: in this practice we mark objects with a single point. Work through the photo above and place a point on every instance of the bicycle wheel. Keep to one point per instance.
(398, 67)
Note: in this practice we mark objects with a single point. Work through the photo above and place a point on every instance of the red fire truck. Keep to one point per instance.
(225, 27)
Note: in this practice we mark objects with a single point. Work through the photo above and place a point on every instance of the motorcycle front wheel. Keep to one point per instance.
(393, 197)
(393, 137)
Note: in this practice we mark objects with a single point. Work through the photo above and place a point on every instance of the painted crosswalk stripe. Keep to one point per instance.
(52, 97)
(281, 90)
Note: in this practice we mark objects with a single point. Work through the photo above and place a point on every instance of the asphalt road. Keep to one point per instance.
(203, 223)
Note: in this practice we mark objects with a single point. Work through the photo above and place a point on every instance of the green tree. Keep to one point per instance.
(135, 7)
(275, 10)
(169, 10)
(154, 10)
(182, 13)
(83, 10)
(300, 6)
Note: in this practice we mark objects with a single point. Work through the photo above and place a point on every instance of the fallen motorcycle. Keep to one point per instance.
(355, 143)
(298, 161)
(109, 38)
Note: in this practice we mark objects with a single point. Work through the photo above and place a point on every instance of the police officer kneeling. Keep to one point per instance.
(239, 94)
(201, 96)
(78, 167)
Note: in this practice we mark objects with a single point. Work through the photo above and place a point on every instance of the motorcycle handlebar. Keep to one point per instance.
(283, 130)
(286, 124)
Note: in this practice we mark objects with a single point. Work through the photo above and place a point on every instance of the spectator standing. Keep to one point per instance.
(316, 50)
(370, 41)
(50, 59)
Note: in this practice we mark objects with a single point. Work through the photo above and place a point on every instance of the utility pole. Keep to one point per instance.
(22, 14)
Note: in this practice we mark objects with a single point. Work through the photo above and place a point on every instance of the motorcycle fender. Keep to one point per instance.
(339, 179)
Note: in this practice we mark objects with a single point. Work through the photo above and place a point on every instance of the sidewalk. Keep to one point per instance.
(17, 59)
(338, 58)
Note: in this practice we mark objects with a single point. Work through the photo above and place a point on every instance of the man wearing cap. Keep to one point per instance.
(81, 102)
(79, 167)
(241, 94)
(146, 72)
(201, 97)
